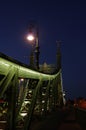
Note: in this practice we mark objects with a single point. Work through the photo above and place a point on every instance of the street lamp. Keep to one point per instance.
(32, 37)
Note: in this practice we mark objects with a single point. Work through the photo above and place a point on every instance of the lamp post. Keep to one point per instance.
(32, 37)
(37, 50)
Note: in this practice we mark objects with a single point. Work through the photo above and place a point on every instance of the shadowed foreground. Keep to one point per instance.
(62, 119)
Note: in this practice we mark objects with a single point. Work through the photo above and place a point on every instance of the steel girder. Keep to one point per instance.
(21, 84)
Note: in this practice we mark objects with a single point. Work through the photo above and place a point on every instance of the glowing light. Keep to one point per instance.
(21, 79)
(30, 37)
(43, 94)
(42, 109)
(43, 101)
(23, 114)
(30, 91)
(27, 102)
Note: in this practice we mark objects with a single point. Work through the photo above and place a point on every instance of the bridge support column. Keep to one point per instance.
(32, 105)
(22, 98)
(46, 97)
(12, 103)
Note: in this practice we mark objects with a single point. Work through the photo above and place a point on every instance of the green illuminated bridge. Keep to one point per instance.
(25, 93)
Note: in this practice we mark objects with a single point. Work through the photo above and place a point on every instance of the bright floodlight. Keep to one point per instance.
(30, 37)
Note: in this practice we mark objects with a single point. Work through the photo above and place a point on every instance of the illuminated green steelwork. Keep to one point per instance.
(27, 92)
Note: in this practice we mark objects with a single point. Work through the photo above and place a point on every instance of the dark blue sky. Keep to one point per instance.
(57, 20)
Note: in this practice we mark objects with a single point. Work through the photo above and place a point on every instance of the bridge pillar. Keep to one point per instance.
(32, 105)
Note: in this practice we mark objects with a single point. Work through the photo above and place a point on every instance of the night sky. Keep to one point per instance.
(57, 20)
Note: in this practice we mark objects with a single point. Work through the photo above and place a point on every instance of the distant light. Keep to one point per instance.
(43, 94)
(43, 101)
(30, 91)
(42, 109)
(22, 79)
(30, 37)
(63, 94)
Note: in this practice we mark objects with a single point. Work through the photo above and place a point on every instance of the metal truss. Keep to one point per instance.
(25, 92)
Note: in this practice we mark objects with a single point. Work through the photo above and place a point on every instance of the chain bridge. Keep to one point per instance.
(25, 93)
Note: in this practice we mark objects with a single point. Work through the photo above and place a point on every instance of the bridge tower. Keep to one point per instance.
(58, 55)
(59, 68)
(32, 58)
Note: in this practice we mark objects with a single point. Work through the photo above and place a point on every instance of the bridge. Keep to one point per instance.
(25, 93)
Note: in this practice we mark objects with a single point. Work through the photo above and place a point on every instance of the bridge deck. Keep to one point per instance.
(58, 120)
